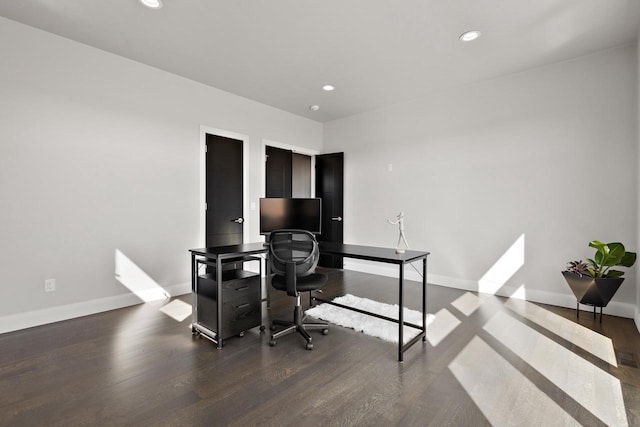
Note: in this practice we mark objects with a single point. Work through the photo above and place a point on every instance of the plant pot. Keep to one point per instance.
(593, 291)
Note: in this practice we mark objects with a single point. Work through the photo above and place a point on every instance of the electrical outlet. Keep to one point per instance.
(50, 285)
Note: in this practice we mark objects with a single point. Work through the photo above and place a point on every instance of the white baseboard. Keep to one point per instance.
(614, 308)
(15, 322)
(30, 319)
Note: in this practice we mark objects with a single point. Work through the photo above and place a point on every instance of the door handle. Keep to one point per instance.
(336, 218)
(238, 220)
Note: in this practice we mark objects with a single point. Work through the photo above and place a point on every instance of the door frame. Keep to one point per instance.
(204, 130)
(299, 150)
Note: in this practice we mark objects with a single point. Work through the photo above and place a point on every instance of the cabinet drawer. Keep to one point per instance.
(241, 289)
(237, 285)
(238, 315)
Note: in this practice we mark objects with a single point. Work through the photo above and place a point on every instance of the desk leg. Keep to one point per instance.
(194, 291)
(219, 302)
(424, 299)
(400, 314)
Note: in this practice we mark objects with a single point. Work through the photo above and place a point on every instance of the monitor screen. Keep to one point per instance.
(301, 214)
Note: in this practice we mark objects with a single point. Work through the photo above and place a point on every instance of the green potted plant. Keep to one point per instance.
(595, 282)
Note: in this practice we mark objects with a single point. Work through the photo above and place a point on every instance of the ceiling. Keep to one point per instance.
(376, 52)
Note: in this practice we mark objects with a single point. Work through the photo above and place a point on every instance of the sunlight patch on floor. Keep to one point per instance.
(467, 303)
(501, 392)
(596, 390)
(440, 326)
(177, 310)
(591, 341)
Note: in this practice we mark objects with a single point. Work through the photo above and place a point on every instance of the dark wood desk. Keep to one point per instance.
(368, 253)
(388, 256)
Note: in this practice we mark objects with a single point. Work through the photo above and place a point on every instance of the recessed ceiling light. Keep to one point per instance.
(314, 107)
(470, 35)
(328, 88)
(153, 4)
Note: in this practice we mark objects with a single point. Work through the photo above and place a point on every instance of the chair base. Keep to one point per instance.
(298, 325)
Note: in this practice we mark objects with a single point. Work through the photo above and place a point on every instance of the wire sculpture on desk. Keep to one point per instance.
(399, 219)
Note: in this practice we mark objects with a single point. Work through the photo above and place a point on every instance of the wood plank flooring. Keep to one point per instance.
(139, 367)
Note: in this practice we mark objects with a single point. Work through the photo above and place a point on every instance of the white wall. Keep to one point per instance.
(637, 311)
(550, 153)
(97, 154)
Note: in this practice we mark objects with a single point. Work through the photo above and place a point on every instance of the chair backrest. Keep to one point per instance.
(293, 250)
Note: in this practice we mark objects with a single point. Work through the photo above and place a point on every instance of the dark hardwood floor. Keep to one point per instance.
(137, 367)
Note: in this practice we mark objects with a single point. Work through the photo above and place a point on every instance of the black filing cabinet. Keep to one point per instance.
(241, 302)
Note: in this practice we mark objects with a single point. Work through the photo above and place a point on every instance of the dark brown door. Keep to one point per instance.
(278, 170)
(224, 191)
(329, 187)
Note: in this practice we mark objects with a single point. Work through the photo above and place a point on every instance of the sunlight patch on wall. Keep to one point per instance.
(503, 395)
(520, 293)
(596, 390)
(591, 341)
(136, 280)
(498, 275)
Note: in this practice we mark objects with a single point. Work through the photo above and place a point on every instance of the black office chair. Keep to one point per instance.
(293, 257)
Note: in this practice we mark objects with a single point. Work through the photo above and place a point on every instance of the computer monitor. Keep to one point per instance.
(299, 213)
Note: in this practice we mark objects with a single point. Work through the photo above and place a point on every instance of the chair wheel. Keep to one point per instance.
(241, 334)
(262, 328)
(272, 328)
(272, 343)
(325, 331)
(309, 346)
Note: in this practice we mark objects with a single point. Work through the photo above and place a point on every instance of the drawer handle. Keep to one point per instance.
(242, 288)
(243, 305)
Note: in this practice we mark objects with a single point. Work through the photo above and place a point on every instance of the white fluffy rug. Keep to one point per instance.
(368, 325)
